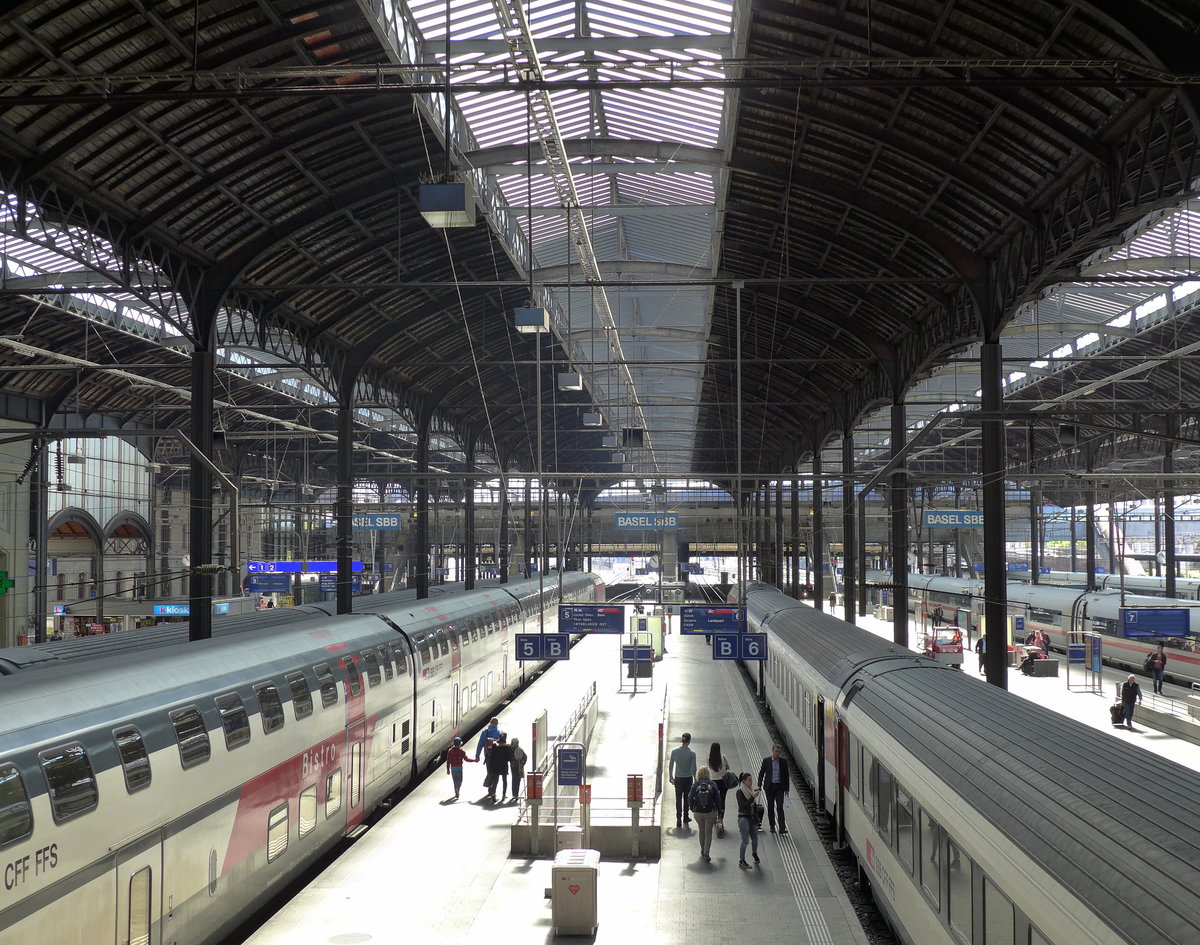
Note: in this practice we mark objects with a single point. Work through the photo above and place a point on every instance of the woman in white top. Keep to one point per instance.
(718, 765)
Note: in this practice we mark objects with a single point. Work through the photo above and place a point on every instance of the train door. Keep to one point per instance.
(139, 893)
(819, 736)
(355, 750)
(843, 778)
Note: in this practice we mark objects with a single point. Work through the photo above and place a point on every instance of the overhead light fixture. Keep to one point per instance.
(75, 459)
(446, 205)
(531, 320)
(618, 458)
(570, 380)
(593, 419)
(627, 467)
(609, 440)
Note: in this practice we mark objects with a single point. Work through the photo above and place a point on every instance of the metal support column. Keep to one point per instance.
(817, 552)
(1168, 467)
(848, 557)
(502, 541)
(470, 553)
(899, 504)
(345, 504)
(200, 543)
(995, 569)
(528, 527)
(777, 559)
(1089, 538)
(420, 552)
(795, 538)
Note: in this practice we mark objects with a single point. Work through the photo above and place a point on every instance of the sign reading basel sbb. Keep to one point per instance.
(953, 518)
(647, 521)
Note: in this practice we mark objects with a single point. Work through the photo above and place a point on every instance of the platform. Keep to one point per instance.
(438, 872)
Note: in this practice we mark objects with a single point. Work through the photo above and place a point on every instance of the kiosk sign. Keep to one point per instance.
(701, 619)
(591, 618)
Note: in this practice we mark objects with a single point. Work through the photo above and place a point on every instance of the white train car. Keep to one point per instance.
(162, 795)
(977, 817)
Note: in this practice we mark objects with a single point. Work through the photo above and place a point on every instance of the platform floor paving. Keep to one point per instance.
(436, 872)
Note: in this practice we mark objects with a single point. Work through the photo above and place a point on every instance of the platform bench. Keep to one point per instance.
(1045, 667)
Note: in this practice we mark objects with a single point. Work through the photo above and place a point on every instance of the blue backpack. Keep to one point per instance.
(703, 797)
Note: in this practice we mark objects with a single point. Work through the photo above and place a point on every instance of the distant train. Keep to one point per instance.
(161, 794)
(976, 816)
(1058, 611)
(1146, 584)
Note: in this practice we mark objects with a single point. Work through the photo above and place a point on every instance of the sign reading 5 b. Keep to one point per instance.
(533, 647)
(739, 646)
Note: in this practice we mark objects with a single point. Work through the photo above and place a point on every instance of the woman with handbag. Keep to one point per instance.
(724, 779)
(748, 816)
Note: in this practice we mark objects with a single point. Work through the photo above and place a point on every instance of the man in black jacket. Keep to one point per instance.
(774, 778)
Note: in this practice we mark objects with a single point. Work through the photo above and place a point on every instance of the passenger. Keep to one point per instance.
(748, 819)
(939, 616)
(981, 650)
(455, 756)
(1157, 664)
(832, 600)
(1131, 692)
(681, 770)
(702, 801)
(773, 775)
(491, 733)
(499, 759)
(518, 767)
(718, 767)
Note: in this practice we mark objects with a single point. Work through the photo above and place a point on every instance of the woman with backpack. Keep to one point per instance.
(723, 778)
(702, 800)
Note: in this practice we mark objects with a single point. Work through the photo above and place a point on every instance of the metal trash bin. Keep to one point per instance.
(568, 837)
(573, 892)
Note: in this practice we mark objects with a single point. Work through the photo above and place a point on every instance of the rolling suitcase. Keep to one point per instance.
(1117, 711)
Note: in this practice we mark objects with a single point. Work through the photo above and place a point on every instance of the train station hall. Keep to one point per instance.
(600, 470)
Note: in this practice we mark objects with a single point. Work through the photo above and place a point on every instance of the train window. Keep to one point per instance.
(1051, 617)
(426, 651)
(277, 832)
(930, 859)
(269, 706)
(308, 810)
(16, 816)
(958, 891)
(302, 704)
(489, 686)
(70, 780)
(854, 766)
(372, 662)
(212, 872)
(885, 802)
(192, 736)
(234, 720)
(385, 661)
(401, 659)
(134, 760)
(998, 924)
(868, 782)
(904, 828)
(137, 931)
(352, 677)
(443, 645)
(333, 793)
(453, 635)
(327, 684)
(404, 730)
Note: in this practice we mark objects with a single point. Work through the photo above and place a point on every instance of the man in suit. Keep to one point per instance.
(774, 778)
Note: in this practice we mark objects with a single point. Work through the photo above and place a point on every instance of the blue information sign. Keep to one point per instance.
(1075, 654)
(1155, 621)
(570, 767)
(739, 646)
(221, 608)
(636, 653)
(533, 647)
(591, 618)
(172, 610)
(1018, 626)
(328, 583)
(296, 567)
(269, 583)
(695, 618)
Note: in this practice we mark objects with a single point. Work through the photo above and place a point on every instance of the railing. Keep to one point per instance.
(662, 744)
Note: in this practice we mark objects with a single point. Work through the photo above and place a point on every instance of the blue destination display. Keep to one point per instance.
(534, 647)
(645, 520)
(591, 618)
(953, 518)
(695, 618)
(636, 653)
(1155, 621)
(328, 583)
(269, 583)
(570, 767)
(220, 608)
(172, 610)
(296, 567)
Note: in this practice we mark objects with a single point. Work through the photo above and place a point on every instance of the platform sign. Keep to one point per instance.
(1076, 654)
(296, 567)
(591, 618)
(642, 521)
(570, 767)
(694, 618)
(953, 518)
(641, 572)
(1018, 626)
(269, 583)
(328, 583)
(750, 647)
(534, 647)
(1155, 621)
(636, 653)
(221, 608)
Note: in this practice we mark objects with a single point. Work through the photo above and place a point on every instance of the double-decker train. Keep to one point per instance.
(1060, 611)
(978, 817)
(160, 795)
